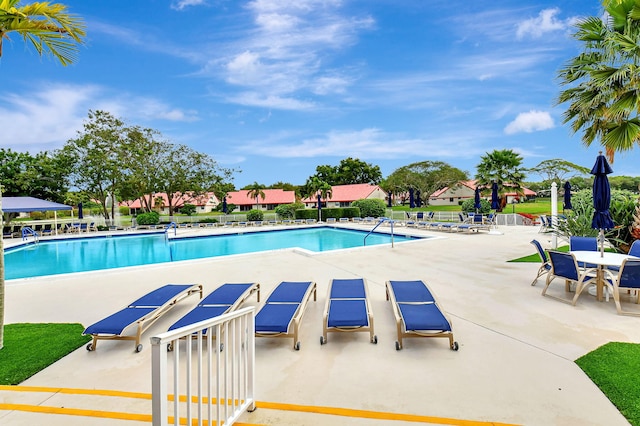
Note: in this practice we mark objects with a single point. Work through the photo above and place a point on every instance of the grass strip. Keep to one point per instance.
(29, 348)
(614, 368)
(535, 257)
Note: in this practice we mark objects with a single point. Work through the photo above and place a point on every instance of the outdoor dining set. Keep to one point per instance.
(601, 273)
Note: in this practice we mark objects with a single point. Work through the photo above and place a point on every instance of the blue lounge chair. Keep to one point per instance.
(226, 298)
(282, 312)
(348, 308)
(417, 312)
(142, 312)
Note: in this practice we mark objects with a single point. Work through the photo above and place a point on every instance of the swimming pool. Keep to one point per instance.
(96, 253)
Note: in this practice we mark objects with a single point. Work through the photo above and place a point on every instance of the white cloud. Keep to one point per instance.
(545, 22)
(284, 50)
(531, 121)
(49, 115)
(270, 101)
(183, 4)
(369, 143)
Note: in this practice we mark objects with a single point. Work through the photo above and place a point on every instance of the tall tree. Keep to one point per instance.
(424, 176)
(98, 169)
(558, 170)
(256, 190)
(49, 28)
(604, 89)
(349, 171)
(502, 166)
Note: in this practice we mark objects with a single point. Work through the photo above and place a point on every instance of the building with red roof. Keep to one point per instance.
(465, 190)
(272, 199)
(344, 195)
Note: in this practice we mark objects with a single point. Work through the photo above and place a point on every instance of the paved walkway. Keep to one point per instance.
(515, 364)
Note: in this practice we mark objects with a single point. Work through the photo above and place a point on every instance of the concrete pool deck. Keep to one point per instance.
(515, 364)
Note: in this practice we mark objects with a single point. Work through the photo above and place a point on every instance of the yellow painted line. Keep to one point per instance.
(97, 414)
(378, 415)
(345, 412)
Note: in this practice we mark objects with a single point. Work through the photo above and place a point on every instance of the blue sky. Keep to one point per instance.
(276, 87)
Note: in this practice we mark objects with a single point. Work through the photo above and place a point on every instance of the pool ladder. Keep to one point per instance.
(380, 222)
(169, 226)
(26, 231)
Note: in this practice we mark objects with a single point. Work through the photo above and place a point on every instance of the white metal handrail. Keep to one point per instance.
(226, 368)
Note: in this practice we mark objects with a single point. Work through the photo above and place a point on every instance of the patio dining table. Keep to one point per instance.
(602, 260)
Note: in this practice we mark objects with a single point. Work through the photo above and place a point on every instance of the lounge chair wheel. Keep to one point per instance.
(90, 347)
(297, 346)
(139, 347)
(398, 347)
(455, 346)
(375, 340)
(322, 340)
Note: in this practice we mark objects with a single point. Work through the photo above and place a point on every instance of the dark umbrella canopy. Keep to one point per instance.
(389, 199)
(418, 200)
(224, 205)
(495, 198)
(476, 200)
(567, 196)
(412, 203)
(601, 197)
(80, 212)
(319, 207)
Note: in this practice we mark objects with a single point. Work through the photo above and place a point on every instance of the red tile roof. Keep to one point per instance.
(178, 200)
(348, 193)
(271, 196)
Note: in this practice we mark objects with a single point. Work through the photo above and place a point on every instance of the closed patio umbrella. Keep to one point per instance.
(389, 199)
(319, 208)
(567, 196)
(418, 199)
(224, 205)
(411, 199)
(495, 198)
(476, 201)
(80, 212)
(601, 198)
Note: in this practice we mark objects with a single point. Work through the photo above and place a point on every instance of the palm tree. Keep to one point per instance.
(504, 168)
(604, 80)
(319, 188)
(255, 190)
(49, 28)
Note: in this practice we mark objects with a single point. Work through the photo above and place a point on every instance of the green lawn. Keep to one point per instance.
(29, 348)
(614, 369)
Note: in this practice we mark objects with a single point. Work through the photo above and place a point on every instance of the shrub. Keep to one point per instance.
(371, 207)
(188, 209)
(333, 212)
(253, 215)
(306, 214)
(579, 219)
(209, 220)
(37, 215)
(467, 206)
(350, 212)
(287, 211)
(151, 218)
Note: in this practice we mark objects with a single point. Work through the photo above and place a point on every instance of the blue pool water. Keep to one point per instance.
(90, 254)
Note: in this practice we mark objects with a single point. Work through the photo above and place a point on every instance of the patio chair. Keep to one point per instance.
(142, 312)
(347, 309)
(417, 312)
(565, 266)
(226, 298)
(282, 312)
(583, 244)
(546, 265)
(628, 278)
